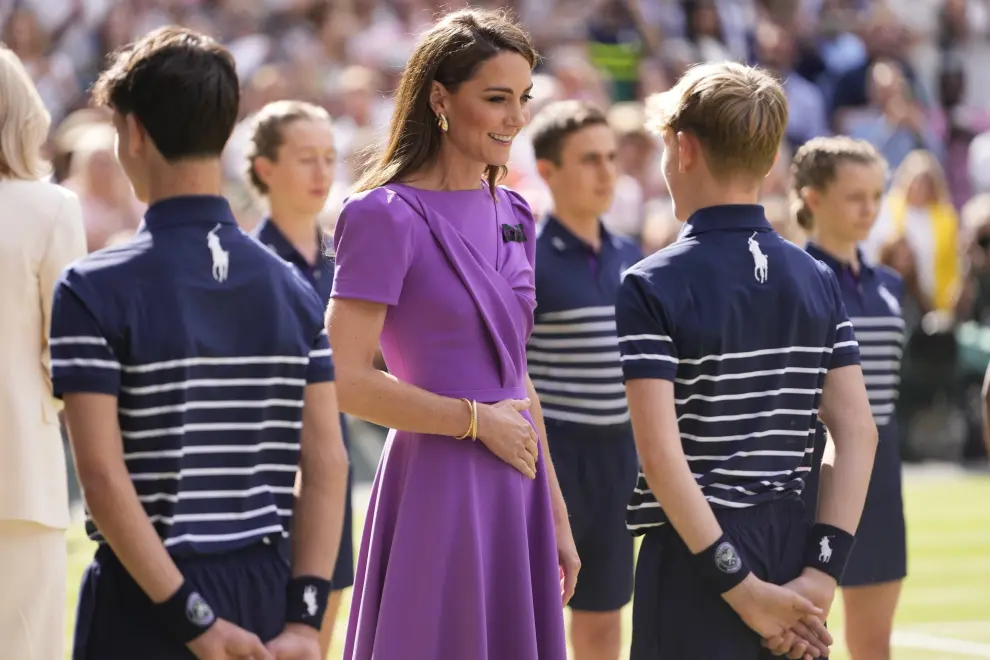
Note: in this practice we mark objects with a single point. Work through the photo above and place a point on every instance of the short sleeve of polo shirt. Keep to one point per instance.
(83, 359)
(646, 346)
(845, 348)
(320, 366)
(373, 246)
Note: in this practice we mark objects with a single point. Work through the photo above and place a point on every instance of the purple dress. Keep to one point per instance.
(458, 558)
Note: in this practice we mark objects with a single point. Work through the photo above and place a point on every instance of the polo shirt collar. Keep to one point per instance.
(188, 210)
(835, 264)
(563, 240)
(750, 217)
(269, 234)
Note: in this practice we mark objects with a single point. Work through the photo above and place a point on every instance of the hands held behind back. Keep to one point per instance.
(819, 588)
(507, 434)
(775, 612)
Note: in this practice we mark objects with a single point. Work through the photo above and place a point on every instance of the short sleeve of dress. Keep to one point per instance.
(373, 247)
(524, 216)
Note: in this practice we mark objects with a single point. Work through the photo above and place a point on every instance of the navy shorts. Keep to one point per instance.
(676, 615)
(880, 552)
(597, 474)
(116, 620)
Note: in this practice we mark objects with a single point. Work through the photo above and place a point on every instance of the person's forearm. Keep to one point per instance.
(382, 399)
(556, 496)
(845, 478)
(318, 515)
(115, 508)
(670, 479)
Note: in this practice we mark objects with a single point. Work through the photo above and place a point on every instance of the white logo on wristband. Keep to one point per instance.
(826, 554)
(198, 611)
(727, 559)
(309, 599)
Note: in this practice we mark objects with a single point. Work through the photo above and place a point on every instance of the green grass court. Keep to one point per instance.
(945, 606)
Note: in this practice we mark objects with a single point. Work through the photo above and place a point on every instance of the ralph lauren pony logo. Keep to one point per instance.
(513, 234)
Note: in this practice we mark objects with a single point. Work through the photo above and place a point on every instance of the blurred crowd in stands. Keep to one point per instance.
(910, 76)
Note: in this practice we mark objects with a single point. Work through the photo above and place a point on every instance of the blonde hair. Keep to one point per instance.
(24, 121)
(268, 133)
(917, 164)
(738, 113)
(815, 166)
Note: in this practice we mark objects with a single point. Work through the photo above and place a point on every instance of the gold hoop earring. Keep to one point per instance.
(442, 122)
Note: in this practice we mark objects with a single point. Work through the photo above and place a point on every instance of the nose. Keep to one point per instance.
(519, 116)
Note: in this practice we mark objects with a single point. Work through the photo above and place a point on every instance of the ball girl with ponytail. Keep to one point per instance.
(838, 187)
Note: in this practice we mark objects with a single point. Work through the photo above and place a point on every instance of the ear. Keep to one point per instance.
(812, 198)
(263, 167)
(138, 140)
(688, 151)
(438, 98)
(546, 169)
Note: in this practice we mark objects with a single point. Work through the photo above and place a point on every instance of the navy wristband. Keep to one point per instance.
(186, 614)
(721, 566)
(306, 600)
(828, 549)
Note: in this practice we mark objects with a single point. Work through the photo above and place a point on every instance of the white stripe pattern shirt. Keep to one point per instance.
(746, 334)
(209, 373)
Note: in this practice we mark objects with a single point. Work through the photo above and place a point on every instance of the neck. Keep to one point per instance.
(583, 226)
(716, 194)
(191, 177)
(842, 250)
(300, 229)
(450, 171)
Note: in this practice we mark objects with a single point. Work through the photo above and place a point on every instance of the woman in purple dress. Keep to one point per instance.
(467, 551)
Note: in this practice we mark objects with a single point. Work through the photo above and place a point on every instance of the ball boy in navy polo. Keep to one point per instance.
(197, 380)
(573, 357)
(733, 341)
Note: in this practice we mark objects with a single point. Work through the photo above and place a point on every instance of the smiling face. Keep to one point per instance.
(486, 112)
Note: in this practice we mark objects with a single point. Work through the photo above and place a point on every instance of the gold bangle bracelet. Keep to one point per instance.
(471, 425)
(474, 420)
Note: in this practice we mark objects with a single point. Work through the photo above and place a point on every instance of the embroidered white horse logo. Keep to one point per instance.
(221, 258)
(890, 299)
(825, 556)
(309, 599)
(760, 265)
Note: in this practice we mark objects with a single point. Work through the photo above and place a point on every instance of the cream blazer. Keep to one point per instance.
(41, 232)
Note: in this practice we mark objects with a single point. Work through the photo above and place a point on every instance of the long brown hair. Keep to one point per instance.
(449, 53)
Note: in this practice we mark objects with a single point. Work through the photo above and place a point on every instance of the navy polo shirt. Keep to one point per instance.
(873, 299)
(573, 352)
(208, 341)
(746, 325)
(319, 275)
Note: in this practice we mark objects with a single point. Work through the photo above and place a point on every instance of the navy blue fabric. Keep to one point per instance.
(573, 352)
(746, 325)
(117, 621)
(573, 360)
(596, 476)
(320, 277)
(677, 615)
(873, 298)
(208, 341)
